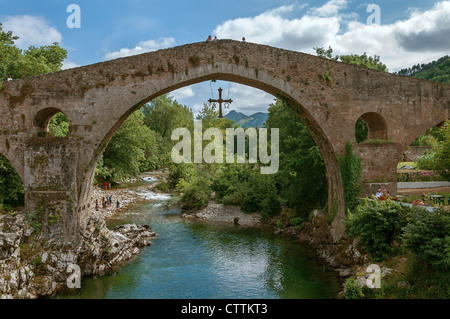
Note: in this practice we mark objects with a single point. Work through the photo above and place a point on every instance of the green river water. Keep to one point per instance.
(198, 260)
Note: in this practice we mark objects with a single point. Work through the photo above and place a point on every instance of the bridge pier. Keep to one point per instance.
(50, 182)
(379, 167)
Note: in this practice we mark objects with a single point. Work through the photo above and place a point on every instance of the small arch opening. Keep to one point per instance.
(370, 126)
(11, 187)
(51, 122)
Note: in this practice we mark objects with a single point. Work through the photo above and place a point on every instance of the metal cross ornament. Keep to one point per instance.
(220, 101)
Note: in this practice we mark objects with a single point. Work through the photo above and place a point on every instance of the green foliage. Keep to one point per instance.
(11, 187)
(352, 289)
(127, 150)
(427, 235)
(22, 63)
(438, 71)
(58, 125)
(361, 131)
(442, 156)
(426, 161)
(350, 166)
(365, 61)
(378, 224)
(244, 186)
(301, 178)
(163, 115)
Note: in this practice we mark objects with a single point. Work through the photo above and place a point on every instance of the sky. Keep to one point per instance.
(402, 32)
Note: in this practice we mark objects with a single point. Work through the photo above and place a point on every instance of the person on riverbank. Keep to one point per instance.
(118, 204)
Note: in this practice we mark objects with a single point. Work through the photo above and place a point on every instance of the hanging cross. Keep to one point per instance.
(220, 101)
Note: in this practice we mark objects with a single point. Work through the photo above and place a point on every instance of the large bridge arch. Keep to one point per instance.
(229, 72)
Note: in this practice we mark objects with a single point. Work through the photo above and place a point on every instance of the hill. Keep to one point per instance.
(438, 71)
(254, 120)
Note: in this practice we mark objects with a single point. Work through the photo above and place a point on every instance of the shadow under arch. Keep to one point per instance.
(411, 138)
(42, 119)
(376, 126)
(12, 182)
(299, 103)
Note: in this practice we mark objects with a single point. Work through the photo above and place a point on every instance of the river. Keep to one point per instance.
(203, 260)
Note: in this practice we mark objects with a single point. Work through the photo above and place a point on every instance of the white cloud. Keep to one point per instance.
(142, 47)
(331, 8)
(31, 30)
(272, 29)
(183, 93)
(67, 64)
(418, 39)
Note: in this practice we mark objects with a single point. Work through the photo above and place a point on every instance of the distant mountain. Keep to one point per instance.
(254, 120)
(438, 71)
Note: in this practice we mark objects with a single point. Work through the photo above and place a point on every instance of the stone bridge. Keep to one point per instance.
(328, 96)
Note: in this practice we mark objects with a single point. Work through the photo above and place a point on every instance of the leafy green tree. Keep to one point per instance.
(427, 234)
(378, 224)
(19, 63)
(363, 60)
(11, 187)
(442, 153)
(350, 166)
(438, 71)
(127, 149)
(163, 115)
(301, 177)
(58, 125)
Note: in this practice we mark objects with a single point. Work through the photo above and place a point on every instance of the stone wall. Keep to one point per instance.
(379, 167)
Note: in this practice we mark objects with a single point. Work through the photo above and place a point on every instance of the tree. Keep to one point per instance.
(127, 149)
(365, 61)
(23, 63)
(163, 115)
(442, 153)
(302, 175)
(350, 166)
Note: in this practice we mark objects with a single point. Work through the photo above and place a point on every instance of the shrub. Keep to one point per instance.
(427, 235)
(352, 289)
(350, 166)
(378, 224)
(426, 161)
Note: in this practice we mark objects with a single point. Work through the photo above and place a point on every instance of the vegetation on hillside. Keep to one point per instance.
(438, 71)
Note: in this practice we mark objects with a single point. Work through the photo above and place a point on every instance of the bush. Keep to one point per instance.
(350, 166)
(426, 161)
(196, 195)
(427, 235)
(352, 289)
(378, 224)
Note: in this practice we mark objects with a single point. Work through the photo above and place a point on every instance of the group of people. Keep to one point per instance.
(215, 39)
(106, 201)
(382, 193)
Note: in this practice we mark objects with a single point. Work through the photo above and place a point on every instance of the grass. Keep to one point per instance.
(401, 164)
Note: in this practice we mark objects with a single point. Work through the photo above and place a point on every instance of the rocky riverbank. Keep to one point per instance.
(31, 268)
(224, 214)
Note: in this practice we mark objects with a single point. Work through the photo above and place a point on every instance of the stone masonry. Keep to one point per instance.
(327, 95)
